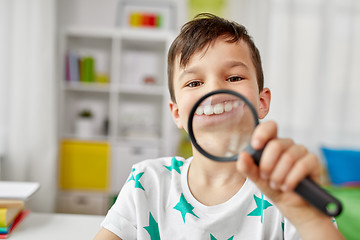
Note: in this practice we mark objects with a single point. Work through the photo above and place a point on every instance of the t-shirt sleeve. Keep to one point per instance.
(119, 225)
(121, 218)
(290, 232)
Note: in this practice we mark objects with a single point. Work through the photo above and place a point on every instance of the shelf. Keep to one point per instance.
(141, 89)
(149, 34)
(83, 31)
(86, 87)
(148, 141)
(100, 32)
(96, 138)
(154, 90)
(128, 111)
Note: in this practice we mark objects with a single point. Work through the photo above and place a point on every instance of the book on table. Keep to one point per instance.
(6, 233)
(9, 210)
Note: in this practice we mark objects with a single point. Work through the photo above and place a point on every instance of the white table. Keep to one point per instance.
(46, 226)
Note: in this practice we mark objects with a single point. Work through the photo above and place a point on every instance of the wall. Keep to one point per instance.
(310, 52)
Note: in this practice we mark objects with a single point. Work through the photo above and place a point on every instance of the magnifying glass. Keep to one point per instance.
(221, 124)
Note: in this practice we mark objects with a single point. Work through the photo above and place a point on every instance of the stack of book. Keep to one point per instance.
(83, 69)
(145, 20)
(12, 212)
(13, 196)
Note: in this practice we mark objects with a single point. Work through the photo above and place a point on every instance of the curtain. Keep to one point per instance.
(311, 59)
(28, 96)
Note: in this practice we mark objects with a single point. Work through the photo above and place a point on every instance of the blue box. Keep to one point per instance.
(343, 165)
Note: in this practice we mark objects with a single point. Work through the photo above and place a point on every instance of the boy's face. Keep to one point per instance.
(222, 65)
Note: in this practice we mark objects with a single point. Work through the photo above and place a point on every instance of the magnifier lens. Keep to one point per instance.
(222, 124)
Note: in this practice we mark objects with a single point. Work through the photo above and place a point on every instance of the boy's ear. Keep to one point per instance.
(175, 114)
(264, 105)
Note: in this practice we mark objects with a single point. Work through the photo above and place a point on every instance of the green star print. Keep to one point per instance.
(136, 179)
(132, 175)
(153, 228)
(214, 238)
(184, 207)
(261, 205)
(175, 165)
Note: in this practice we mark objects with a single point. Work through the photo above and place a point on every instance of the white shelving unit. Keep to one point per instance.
(131, 116)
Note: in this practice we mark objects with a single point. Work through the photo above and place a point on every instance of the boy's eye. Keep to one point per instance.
(194, 84)
(234, 79)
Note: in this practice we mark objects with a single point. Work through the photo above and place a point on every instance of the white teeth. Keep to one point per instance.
(208, 110)
(218, 108)
(199, 110)
(236, 104)
(228, 107)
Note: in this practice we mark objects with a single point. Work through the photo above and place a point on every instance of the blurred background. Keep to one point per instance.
(83, 89)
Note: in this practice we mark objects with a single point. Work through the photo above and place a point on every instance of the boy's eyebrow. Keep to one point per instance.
(230, 64)
(188, 71)
(235, 63)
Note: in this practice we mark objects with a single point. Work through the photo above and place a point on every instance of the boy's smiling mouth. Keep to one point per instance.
(218, 108)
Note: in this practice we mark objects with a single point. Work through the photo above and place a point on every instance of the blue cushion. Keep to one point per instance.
(343, 165)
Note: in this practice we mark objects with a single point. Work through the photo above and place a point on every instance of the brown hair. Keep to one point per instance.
(200, 32)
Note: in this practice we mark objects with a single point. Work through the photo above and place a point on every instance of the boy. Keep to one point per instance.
(197, 198)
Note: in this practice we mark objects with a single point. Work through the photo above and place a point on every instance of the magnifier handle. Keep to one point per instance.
(309, 190)
(318, 197)
(255, 154)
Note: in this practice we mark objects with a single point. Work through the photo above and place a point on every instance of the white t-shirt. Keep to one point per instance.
(156, 203)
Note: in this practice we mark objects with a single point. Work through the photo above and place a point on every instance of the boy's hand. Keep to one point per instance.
(282, 166)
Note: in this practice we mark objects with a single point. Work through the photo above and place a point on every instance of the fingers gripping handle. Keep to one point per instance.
(309, 190)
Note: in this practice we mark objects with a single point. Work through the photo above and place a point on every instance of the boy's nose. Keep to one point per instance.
(217, 84)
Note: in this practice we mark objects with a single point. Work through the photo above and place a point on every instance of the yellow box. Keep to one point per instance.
(84, 165)
(135, 19)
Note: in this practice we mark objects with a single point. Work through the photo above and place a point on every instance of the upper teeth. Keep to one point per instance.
(218, 108)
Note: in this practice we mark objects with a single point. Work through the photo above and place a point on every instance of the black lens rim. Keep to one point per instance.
(192, 113)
